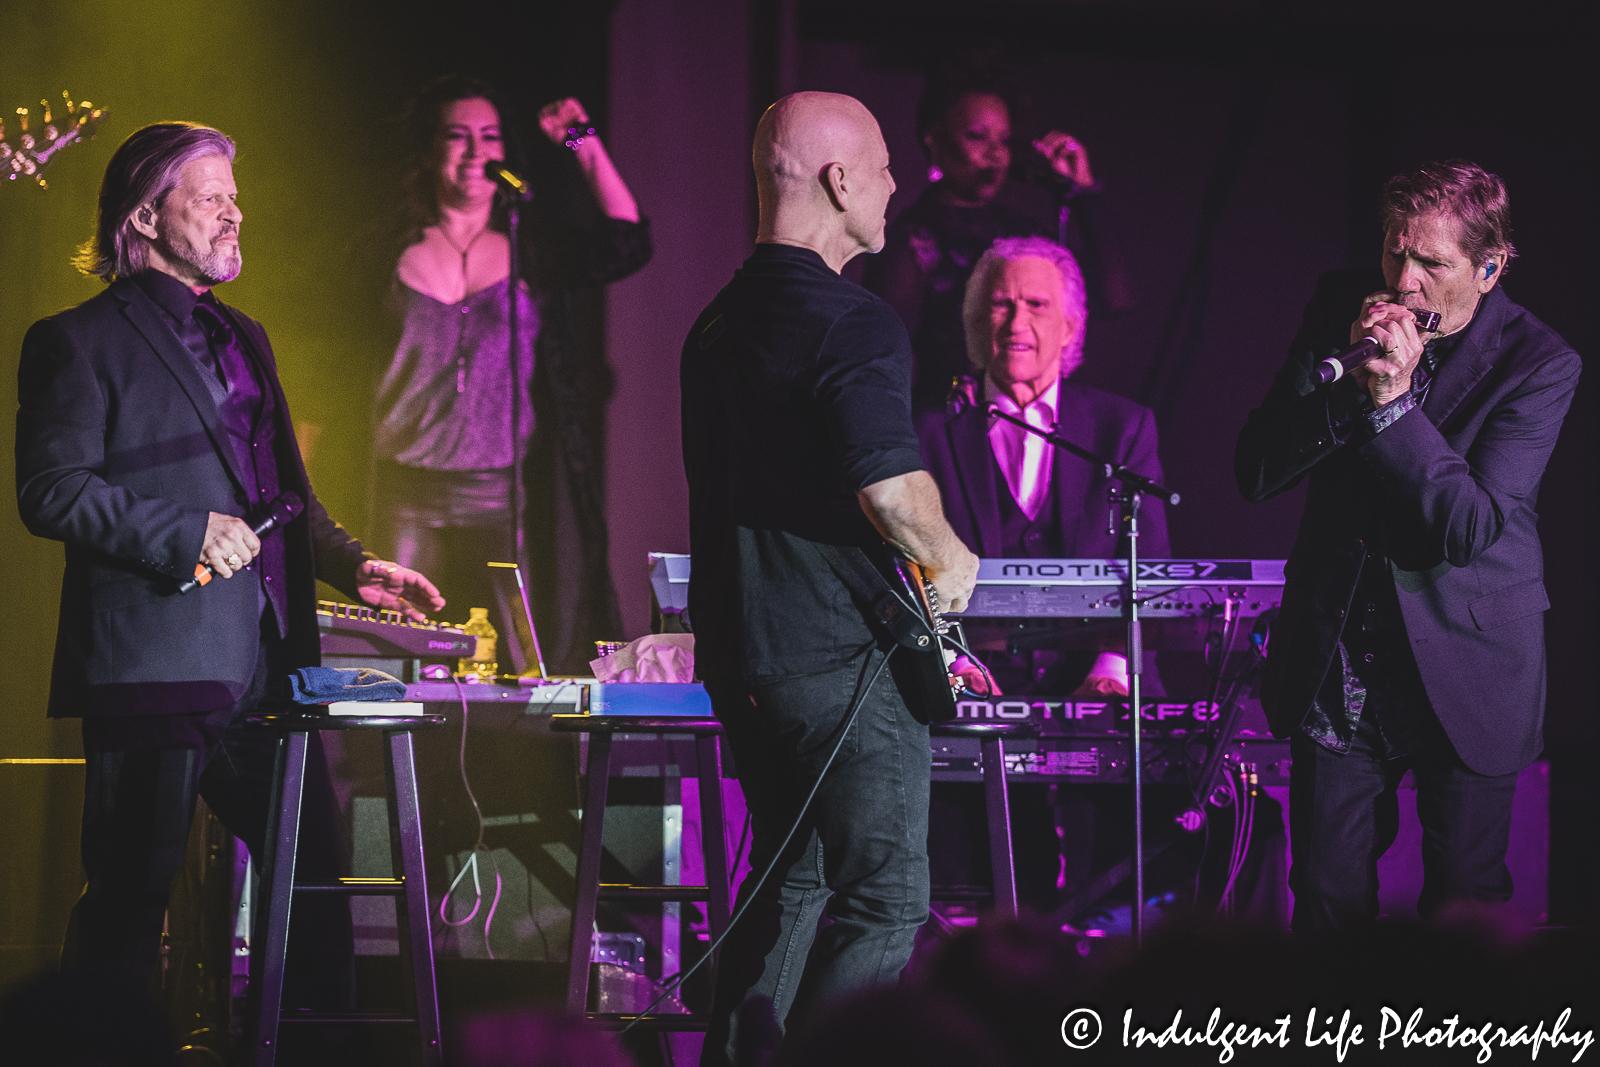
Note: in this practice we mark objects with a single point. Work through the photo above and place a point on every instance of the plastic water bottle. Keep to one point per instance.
(483, 664)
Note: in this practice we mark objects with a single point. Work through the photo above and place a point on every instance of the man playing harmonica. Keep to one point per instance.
(1412, 631)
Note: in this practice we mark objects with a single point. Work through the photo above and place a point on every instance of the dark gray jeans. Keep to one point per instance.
(863, 842)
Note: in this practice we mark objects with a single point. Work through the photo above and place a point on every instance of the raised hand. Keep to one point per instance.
(555, 119)
(1393, 326)
(1067, 155)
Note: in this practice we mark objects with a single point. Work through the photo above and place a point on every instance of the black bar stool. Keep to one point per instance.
(597, 776)
(405, 844)
(997, 810)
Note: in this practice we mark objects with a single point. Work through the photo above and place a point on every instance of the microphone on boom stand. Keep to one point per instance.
(507, 179)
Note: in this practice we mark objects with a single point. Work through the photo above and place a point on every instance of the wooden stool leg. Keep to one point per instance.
(713, 836)
(597, 777)
(283, 837)
(997, 809)
(405, 843)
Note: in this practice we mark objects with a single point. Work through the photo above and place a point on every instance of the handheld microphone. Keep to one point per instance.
(1031, 165)
(1346, 360)
(507, 179)
(283, 509)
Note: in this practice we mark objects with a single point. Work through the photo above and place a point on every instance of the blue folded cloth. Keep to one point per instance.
(324, 685)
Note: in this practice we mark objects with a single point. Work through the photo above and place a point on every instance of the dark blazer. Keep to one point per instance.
(121, 456)
(1450, 488)
(956, 450)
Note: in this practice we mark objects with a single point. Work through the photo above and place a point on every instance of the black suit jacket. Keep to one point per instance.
(1450, 488)
(121, 456)
(956, 450)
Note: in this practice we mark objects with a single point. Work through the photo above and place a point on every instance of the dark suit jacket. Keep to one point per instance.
(1451, 490)
(121, 455)
(956, 450)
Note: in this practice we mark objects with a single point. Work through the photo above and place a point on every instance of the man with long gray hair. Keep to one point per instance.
(1010, 495)
(152, 431)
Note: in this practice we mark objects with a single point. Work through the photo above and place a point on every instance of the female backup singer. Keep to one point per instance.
(444, 445)
(964, 124)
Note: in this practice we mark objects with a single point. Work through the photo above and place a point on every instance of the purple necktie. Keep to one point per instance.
(247, 415)
(231, 360)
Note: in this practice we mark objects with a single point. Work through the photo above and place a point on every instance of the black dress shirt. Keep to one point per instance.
(246, 408)
(178, 301)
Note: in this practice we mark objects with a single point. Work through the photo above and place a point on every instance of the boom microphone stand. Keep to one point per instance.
(514, 196)
(1127, 494)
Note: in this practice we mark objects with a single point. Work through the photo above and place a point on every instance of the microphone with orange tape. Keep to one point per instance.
(283, 509)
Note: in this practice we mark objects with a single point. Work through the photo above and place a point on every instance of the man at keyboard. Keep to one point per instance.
(1412, 632)
(1010, 494)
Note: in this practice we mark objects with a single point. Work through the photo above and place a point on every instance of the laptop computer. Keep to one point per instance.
(511, 596)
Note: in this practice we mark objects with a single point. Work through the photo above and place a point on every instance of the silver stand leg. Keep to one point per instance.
(996, 803)
(713, 832)
(597, 778)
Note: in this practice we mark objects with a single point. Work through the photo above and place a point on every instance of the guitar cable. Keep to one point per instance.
(849, 721)
(477, 847)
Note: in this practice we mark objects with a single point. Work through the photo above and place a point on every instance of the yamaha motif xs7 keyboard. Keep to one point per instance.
(1094, 588)
(1072, 588)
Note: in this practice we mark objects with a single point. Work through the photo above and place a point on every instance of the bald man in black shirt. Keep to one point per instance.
(798, 446)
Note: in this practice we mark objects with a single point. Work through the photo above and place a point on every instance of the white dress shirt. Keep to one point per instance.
(1025, 459)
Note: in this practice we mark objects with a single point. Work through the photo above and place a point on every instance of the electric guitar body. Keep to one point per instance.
(920, 631)
(907, 607)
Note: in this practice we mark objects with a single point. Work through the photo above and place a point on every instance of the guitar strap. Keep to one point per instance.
(897, 616)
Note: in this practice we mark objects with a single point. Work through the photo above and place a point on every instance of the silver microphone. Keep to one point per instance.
(1346, 360)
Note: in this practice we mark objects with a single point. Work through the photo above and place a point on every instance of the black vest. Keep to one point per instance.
(1020, 538)
(249, 413)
